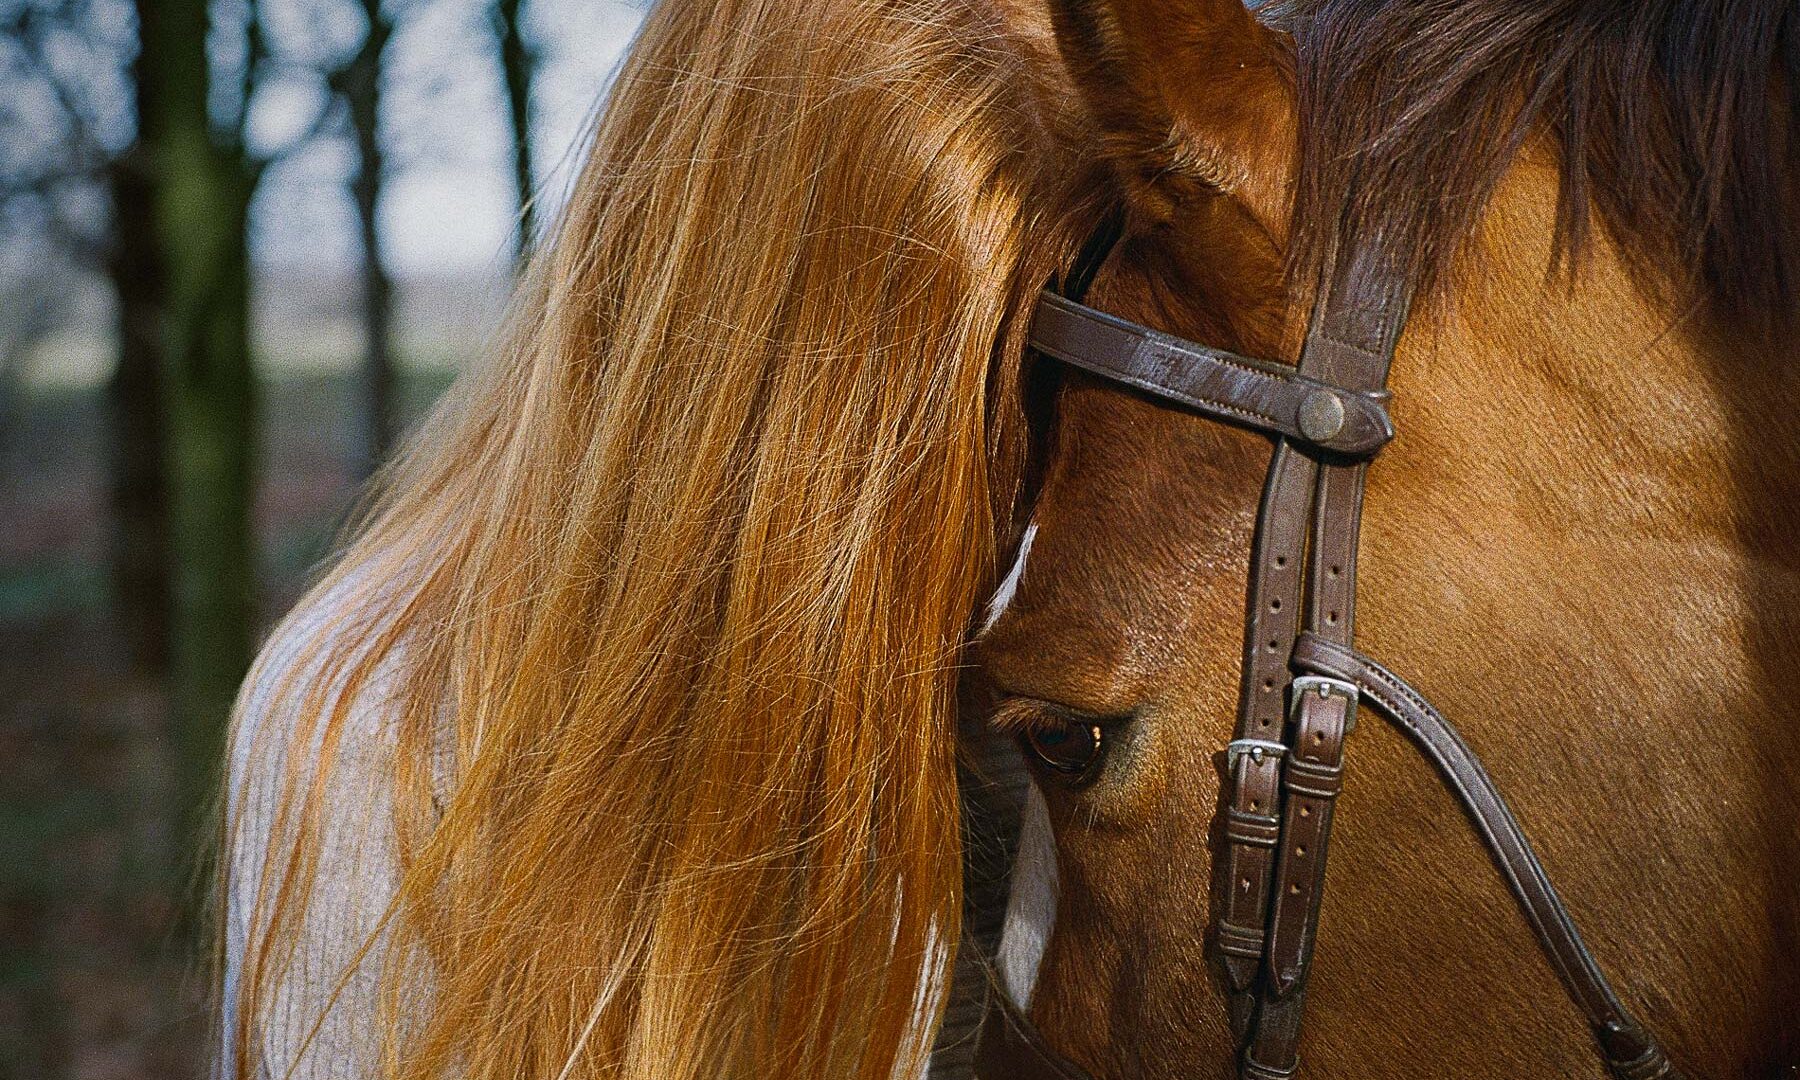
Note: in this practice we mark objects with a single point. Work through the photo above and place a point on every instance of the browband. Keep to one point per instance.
(1270, 398)
(1284, 765)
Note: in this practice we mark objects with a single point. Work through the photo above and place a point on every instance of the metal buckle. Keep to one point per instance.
(1325, 686)
(1256, 748)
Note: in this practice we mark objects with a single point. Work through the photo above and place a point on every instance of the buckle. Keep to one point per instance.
(1257, 749)
(1325, 686)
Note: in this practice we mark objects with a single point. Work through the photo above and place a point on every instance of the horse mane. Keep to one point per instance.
(676, 591)
(1676, 122)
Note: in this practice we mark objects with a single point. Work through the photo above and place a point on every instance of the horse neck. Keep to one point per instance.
(1584, 545)
(1584, 470)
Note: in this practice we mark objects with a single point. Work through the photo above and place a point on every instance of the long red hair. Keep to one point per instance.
(682, 583)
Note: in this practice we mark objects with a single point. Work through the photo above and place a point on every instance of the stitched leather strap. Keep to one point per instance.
(1236, 389)
(1284, 767)
(1630, 1052)
(1252, 790)
(1356, 324)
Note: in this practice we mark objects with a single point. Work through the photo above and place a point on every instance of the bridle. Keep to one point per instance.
(1303, 680)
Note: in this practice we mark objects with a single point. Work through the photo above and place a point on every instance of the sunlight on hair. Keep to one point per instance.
(662, 616)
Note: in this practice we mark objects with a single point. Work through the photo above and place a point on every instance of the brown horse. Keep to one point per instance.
(1582, 544)
(622, 740)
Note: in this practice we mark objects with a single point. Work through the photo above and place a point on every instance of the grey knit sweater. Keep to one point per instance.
(320, 1024)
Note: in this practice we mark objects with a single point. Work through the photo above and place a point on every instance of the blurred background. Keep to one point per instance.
(243, 243)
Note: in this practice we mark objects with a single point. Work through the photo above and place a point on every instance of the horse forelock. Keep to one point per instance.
(1677, 124)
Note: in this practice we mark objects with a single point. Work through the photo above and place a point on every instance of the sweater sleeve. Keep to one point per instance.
(317, 1015)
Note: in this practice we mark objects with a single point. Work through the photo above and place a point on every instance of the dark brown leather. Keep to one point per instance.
(1255, 393)
(1285, 765)
(1252, 792)
(1311, 779)
(1630, 1052)
(1010, 1048)
(1356, 324)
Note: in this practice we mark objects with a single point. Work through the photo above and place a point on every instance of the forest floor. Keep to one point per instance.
(96, 980)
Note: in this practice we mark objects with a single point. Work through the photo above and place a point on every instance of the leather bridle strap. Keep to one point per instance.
(1284, 766)
(1631, 1054)
(1270, 398)
(1305, 553)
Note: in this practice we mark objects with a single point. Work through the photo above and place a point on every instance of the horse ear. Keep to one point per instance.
(1191, 97)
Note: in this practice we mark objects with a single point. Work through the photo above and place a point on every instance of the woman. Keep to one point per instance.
(619, 741)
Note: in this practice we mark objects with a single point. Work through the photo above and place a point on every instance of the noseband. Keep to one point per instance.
(1303, 681)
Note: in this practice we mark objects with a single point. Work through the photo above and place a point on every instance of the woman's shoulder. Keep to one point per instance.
(316, 726)
(308, 660)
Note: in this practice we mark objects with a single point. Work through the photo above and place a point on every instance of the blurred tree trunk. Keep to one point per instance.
(138, 478)
(359, 82)
(201, 182)
(518, 64)
(67, 100)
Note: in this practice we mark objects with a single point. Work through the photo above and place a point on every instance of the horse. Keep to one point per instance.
(622, 738)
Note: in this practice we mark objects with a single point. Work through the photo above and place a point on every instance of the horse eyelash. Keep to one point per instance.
(1018, 714)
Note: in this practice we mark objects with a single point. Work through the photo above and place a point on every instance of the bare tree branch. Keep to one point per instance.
(327, 120)
(27, 31)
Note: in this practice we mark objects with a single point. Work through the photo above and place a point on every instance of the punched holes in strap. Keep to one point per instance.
(1631, 1053)
(1260, 829)
(1245, 869)
(1252, 829)
(1310, 771)
(1324, 711)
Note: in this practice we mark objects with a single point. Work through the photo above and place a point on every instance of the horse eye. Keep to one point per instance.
(1069, 747)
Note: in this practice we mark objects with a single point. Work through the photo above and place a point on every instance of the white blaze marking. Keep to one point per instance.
(1009, 585)
(1031, 909)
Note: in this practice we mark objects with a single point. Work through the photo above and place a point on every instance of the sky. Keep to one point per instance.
(448, 209)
